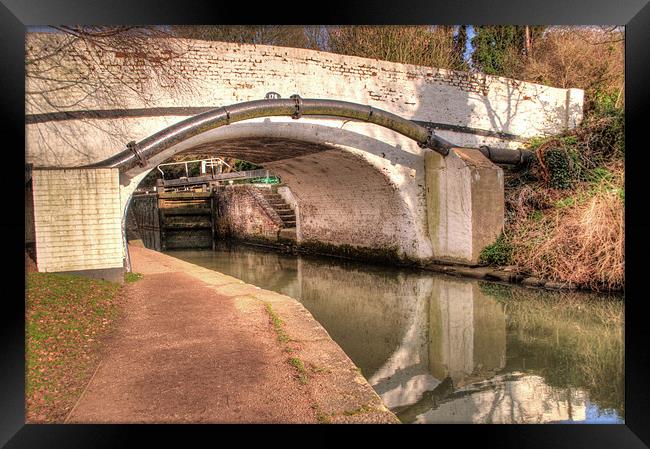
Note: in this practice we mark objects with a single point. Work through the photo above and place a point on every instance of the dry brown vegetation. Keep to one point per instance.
(565, 213)
(577, 239)
(427, 45)
(588, 58)
(421, 45)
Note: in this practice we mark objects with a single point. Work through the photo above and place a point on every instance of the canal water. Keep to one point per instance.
(442, 349)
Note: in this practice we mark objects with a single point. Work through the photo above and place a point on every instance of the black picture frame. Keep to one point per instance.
(16, 15)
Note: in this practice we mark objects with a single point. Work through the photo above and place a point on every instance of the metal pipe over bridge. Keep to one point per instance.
(138, 153)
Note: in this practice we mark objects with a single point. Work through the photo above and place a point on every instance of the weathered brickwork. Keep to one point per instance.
(212, 74)
(355, 184)
(343, 200)
(242, 213)
(77, 219)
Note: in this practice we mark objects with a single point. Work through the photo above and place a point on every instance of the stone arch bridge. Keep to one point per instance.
(357, 183)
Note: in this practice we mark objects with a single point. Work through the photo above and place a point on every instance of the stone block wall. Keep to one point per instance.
(77, 219)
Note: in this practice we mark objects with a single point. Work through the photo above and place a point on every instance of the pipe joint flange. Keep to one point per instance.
(521, 157)
(370, 111)
(486, 151)
(298, 103)
(427, 141)
(433, 143)
(133, 147)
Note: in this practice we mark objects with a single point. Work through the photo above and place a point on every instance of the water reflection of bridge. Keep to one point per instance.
(432, 347)
(435, 348)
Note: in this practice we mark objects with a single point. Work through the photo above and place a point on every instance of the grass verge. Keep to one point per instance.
(277, 324)
(132, 277)
(300, 369)
(66, 319)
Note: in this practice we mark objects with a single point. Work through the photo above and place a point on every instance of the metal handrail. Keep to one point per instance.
(211, 160)
(247, 174)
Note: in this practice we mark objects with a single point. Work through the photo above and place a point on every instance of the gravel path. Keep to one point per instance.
(199, 346)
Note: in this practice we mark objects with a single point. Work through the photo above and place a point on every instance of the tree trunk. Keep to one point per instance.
(528, 42)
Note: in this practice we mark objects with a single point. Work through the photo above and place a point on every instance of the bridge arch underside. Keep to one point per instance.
(356, 195)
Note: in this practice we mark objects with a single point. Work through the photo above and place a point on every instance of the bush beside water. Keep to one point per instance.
(565, 211)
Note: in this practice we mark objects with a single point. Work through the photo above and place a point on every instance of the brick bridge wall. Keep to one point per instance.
(355, 183)
(243, 214)
(77, 220)
(213, 74)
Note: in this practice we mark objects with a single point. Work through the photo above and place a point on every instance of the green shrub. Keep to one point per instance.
(600, 174)
(498, 253)
(245, 165)
(606, 126)
(536, 215)
(497, 291)
(565, 202)
(563, 167)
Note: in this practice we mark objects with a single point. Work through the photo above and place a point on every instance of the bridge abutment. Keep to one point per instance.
(465, 204)
(78, 222)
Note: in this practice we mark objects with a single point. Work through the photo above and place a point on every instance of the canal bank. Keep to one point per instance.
(196, 345)
(441, 349)
(268, 216)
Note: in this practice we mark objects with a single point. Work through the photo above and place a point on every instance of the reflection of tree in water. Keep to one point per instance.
(570, 338)
(505, 398)
(429, 400)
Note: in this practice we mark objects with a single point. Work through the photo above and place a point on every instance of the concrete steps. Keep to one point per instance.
(287, 215)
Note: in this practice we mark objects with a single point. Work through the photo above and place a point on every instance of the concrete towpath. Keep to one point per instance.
(195, 345)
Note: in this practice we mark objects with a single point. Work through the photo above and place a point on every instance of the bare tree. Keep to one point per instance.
(589, 58)
(71, 68)
(75, 66)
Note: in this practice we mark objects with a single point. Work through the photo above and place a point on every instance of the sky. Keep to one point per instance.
(468, 47)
